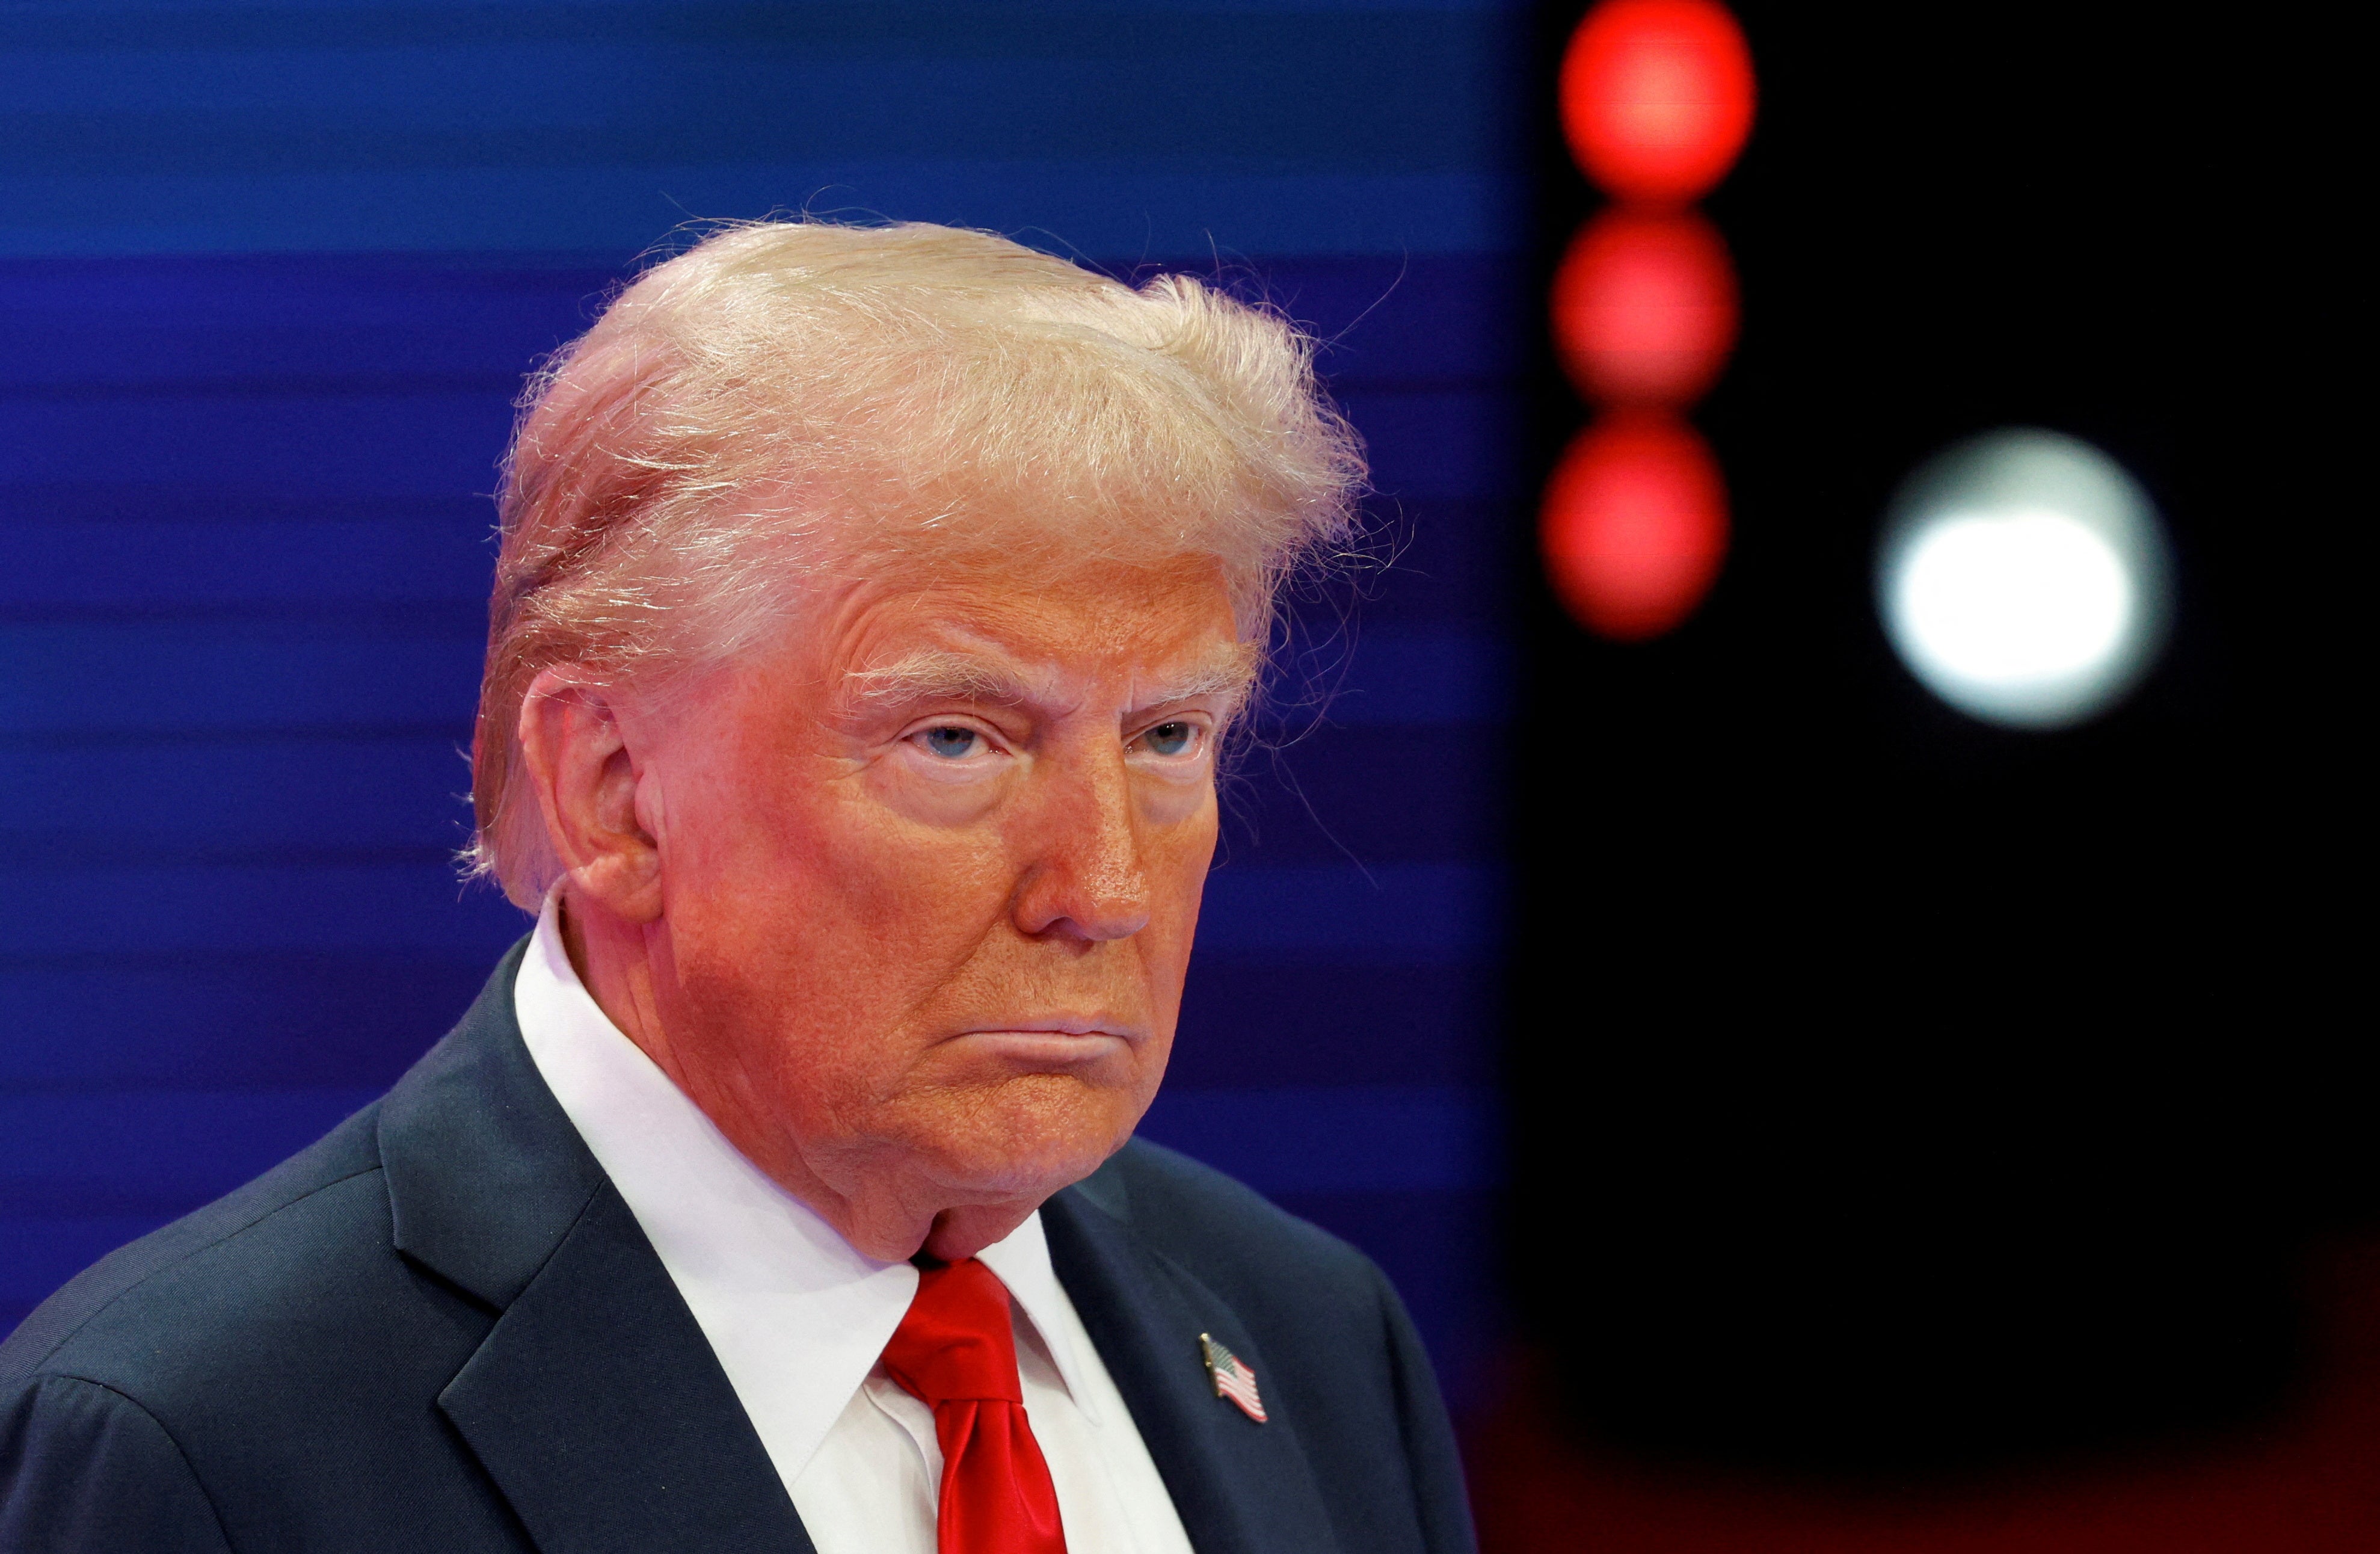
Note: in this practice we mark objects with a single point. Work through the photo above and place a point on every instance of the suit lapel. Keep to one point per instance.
(597, 1407)
(595, 1403)
(1240, 1487)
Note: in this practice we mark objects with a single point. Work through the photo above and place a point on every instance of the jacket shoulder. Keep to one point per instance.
(1227, 1234)
(83, 1467)
(222, 1263)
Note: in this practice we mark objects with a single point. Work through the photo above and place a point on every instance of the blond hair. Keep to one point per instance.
(791, 397)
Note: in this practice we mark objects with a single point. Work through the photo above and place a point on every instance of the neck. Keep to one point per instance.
(614, 959)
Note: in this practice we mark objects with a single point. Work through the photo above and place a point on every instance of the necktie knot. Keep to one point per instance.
(956, 1342)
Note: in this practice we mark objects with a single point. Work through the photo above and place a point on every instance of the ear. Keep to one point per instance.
(586, 776)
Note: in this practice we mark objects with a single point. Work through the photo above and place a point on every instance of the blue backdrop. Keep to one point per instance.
(269, 275)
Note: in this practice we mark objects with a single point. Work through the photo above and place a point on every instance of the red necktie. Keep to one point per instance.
(956, 1350)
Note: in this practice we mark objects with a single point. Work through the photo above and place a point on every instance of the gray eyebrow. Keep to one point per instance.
(1219, 677)
(923, 675)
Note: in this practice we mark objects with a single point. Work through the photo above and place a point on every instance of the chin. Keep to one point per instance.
(1010, 1145)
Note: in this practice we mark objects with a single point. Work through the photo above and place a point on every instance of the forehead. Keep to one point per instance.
(1173, 616)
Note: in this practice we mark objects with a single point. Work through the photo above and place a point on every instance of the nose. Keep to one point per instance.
(1086, 879)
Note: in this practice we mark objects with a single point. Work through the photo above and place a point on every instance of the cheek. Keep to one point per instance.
(1177, 862)
(833, 899)
(1181, 846)
(904, 886)
(755, 825)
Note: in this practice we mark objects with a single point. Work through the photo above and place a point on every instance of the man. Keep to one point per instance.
(872, 605)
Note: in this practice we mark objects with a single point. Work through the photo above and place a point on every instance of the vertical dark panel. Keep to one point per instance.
(1891, 1091)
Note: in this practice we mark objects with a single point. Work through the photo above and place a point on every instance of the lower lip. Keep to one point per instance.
(1048, 1049)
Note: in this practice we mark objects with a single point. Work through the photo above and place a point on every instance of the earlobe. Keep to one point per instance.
(589, 783)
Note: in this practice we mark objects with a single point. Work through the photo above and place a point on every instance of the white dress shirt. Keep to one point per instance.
(799, 1318)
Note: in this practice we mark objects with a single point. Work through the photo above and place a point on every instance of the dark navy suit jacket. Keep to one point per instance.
(441, 1330)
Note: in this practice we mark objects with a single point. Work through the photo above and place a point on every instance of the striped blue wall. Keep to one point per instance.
(269, 277)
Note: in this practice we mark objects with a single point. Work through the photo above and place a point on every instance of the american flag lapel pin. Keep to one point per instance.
(1232, 1379)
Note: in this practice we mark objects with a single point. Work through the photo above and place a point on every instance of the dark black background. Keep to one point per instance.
(1893, 1094)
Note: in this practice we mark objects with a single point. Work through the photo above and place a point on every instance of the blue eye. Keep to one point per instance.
(1170, 739)
(953, 743)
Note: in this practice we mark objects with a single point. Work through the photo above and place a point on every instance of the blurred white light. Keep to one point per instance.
(2023, 578)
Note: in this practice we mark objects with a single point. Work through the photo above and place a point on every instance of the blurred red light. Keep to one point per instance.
(1634, 525)
(1645, 308)
(1657, 97)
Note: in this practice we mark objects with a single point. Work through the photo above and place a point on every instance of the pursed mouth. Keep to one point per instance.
(1059, 1040)
(1057, 1025)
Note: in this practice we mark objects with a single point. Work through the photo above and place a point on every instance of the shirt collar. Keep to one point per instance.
(797, 1316)
(1022, 1260)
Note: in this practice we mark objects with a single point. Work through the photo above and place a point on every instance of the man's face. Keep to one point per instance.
(930, 874)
